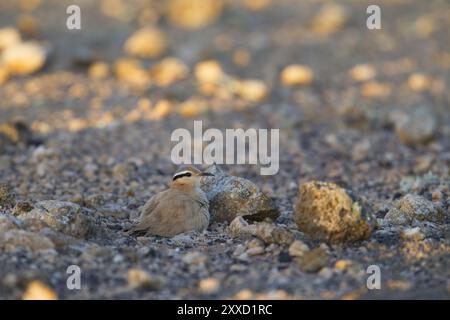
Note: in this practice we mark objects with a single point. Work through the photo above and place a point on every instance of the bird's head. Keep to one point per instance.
(188, 175)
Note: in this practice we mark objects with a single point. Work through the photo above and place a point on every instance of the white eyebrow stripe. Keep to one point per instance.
(181, 173)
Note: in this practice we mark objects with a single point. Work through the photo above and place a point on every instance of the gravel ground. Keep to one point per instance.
(99, 146)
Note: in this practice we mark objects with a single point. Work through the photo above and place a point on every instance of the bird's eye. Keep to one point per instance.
(188, 174)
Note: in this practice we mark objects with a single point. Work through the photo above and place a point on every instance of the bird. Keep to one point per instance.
(182, 208)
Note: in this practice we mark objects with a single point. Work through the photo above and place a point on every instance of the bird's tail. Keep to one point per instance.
(134, 231)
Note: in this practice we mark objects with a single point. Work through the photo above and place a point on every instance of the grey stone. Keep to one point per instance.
(413, 207)
(231, 196)
(65, 217)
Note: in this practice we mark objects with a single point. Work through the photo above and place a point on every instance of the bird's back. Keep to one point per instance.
(172, 212)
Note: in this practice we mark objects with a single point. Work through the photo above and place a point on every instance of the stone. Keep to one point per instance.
(113, 210)
(363, 72)
(148, 42)
(330, 19)
(414, 234)
(209, 71)
(252, 90)
(92, 252)
(95, 201)
(314, 260)
(253, 247)
(271, 233)
(123, 170)
(141, 279)
(33, 225)
(12, 239)
(254, 243)
(296, 74)
(24, 58)
(43, 153)
(240, 249)
(59, 239)
(169, 70)
(10, 280)
(132, 72)
(36, 290)
(194, 14)
(239, 227)
(209, 285)
(297, 248)
(65, 217)
(413, 207)
(160, 110)
(9, 37)
(193, 107)
(375, 89)
(255, 251)
(231, 196)
(361, 150)
(326, 212)
(99, 70)
(342, 264)
(7, 196)
(7, 223)
(415, 127)
(90, 170)
(419, 82)
(194, 258)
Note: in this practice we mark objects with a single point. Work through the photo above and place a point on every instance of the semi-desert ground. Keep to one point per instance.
(90, 129)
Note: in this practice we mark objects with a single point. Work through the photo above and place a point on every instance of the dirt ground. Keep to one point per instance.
(102, 141)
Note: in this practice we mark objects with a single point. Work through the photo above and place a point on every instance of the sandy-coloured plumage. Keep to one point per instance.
(181, 208)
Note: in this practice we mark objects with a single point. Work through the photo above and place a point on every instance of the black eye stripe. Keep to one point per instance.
(187, 174)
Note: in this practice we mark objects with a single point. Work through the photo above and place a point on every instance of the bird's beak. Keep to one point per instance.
(206, 174)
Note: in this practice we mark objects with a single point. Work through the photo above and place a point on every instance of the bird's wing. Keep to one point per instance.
(157, 219)
(151, 204)
(139, 227)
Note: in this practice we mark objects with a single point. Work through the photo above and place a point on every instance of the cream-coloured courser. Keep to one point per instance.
(181, 208)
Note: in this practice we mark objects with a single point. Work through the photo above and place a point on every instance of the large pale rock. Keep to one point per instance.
(326, 212)
(65, 217)
(231, 196)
